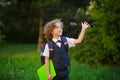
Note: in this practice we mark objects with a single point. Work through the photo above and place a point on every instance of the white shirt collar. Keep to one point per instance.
(55, 40)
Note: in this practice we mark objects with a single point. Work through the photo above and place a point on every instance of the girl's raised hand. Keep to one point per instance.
(85, 25)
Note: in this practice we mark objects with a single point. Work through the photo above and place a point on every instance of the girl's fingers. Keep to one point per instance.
(85, 24)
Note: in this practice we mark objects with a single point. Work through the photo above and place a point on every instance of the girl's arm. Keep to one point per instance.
(47, 68)
(85, 25)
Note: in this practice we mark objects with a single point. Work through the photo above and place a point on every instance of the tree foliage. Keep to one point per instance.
(20, 22)
(21, 18)
(102, 41)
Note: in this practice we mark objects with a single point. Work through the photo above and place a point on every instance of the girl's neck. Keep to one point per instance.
(56, 37)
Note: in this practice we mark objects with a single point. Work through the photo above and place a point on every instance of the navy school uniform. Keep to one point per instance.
(60, 57)
(61, 61)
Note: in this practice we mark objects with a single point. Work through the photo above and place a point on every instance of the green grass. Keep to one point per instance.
(84, 72)
(21, 61)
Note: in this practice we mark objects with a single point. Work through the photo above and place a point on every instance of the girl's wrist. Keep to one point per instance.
(48, 73)
(83, 29)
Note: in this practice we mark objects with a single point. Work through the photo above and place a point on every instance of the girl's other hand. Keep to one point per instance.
(50, 77)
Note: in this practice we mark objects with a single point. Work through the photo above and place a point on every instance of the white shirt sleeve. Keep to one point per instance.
(70, 42)
(46, 51)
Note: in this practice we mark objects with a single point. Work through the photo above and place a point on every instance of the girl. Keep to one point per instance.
(53, 31)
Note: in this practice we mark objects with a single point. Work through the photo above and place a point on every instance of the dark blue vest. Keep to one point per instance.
(60, 56)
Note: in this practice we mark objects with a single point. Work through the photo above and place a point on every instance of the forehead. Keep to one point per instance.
(57, 24)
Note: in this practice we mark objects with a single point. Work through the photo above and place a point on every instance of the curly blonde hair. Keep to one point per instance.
(48, 28)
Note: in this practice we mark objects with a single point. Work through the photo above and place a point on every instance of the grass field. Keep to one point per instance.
(21, 61)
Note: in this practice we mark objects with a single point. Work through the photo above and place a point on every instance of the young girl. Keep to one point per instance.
(53, 31)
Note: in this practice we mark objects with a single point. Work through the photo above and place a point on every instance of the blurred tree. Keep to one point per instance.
(19, 21)
(22, 18)
(102, 42)
(46, 9)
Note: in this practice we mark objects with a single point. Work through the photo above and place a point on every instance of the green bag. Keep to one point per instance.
(42, 71)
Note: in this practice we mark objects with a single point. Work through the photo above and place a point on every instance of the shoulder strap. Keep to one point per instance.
(42, 48)
(64, 40)
(50, 45)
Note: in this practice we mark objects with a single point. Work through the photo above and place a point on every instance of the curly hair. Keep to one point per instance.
(48, 28)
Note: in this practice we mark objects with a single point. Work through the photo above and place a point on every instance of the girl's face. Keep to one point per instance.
(57, 31)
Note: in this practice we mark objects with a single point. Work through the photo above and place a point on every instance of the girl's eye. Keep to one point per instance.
(58, 27)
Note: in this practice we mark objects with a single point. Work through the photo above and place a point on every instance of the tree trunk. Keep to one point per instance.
(40, 37)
